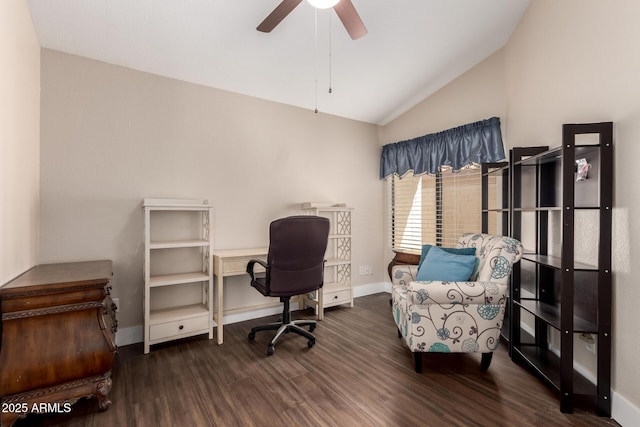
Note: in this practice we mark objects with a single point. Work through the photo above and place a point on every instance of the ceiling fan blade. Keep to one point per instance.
(278, 14)
(350, 19)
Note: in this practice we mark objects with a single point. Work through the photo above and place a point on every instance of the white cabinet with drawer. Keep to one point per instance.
(178, 270)
(336, 297)
(178, 328)
(338, 287)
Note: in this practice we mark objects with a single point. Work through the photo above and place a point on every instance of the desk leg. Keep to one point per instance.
(219, 297)
(320, 306)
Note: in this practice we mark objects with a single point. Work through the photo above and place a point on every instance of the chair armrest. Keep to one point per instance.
(438, 292)
(251, 264)
(403, 274)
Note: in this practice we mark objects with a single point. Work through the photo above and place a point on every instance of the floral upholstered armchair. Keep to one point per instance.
(456, 316)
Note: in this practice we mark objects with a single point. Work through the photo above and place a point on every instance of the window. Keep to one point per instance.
(434, 209)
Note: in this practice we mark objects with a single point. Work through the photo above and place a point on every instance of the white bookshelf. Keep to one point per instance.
(338, 286)
(178, 270)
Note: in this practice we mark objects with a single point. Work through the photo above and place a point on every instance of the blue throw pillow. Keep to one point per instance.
(458, 251)
(445, 266)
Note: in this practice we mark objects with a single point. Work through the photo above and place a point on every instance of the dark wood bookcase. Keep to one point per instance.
(496, 214)
(495, 198)
(561, 289)
(496, 207)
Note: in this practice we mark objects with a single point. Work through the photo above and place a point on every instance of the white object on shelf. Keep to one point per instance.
(178, 286)
(338, 286)
(322, 205)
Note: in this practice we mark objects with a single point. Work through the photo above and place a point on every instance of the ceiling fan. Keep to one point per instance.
(344, 8)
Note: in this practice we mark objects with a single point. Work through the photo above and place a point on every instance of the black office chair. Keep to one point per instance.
(295, 266)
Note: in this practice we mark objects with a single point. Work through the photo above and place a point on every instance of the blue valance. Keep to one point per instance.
(479, 142)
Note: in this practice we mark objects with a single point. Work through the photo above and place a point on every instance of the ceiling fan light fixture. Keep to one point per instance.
(323, 4)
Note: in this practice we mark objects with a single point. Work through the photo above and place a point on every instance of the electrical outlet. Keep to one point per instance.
(116, 301)
(365, 270)
(590, 342)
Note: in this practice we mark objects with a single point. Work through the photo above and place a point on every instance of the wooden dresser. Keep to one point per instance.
(57, 338)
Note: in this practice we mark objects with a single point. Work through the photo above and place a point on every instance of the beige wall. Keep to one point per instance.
(567, 62)
(113, 136)
(576, 61)
(19, 140)
(476, 95)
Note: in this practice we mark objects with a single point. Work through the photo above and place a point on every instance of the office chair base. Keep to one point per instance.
(284, 328)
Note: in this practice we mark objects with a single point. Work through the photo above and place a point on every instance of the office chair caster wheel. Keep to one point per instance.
(270, 350)
(311, 343)
(312, 328)
(252, 336)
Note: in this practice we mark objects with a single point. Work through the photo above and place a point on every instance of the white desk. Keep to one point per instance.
(231, 262)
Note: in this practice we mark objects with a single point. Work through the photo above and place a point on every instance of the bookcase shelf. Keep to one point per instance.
(561, 288)
(570, 296)
(178, 270)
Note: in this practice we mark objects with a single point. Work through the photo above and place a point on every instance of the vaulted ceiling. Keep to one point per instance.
(413, 47)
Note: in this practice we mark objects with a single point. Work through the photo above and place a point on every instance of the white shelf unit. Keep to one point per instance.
(338, 286)
(178, 270)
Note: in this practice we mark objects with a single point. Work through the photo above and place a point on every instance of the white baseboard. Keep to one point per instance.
(135, 334)
(371, 288)
(130, 335)
(624, 412)
(255, 314)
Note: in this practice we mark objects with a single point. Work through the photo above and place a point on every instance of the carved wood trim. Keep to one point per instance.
(35, 292)
(50, 310)
(98, 386)
(402, 258)
(108, 323)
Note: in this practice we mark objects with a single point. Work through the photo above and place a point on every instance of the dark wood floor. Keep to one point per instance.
(358, 374)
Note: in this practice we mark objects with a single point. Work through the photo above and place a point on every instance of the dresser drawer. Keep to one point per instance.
(179, 327)
(236, 265)
(336, 297)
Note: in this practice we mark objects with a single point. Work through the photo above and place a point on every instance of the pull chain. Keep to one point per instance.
(330, 39)
(317, 61)
(316, 58)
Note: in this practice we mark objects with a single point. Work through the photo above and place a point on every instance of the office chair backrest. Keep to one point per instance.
(297, 246)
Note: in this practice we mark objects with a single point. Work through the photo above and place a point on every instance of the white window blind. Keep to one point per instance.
(434, 209)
